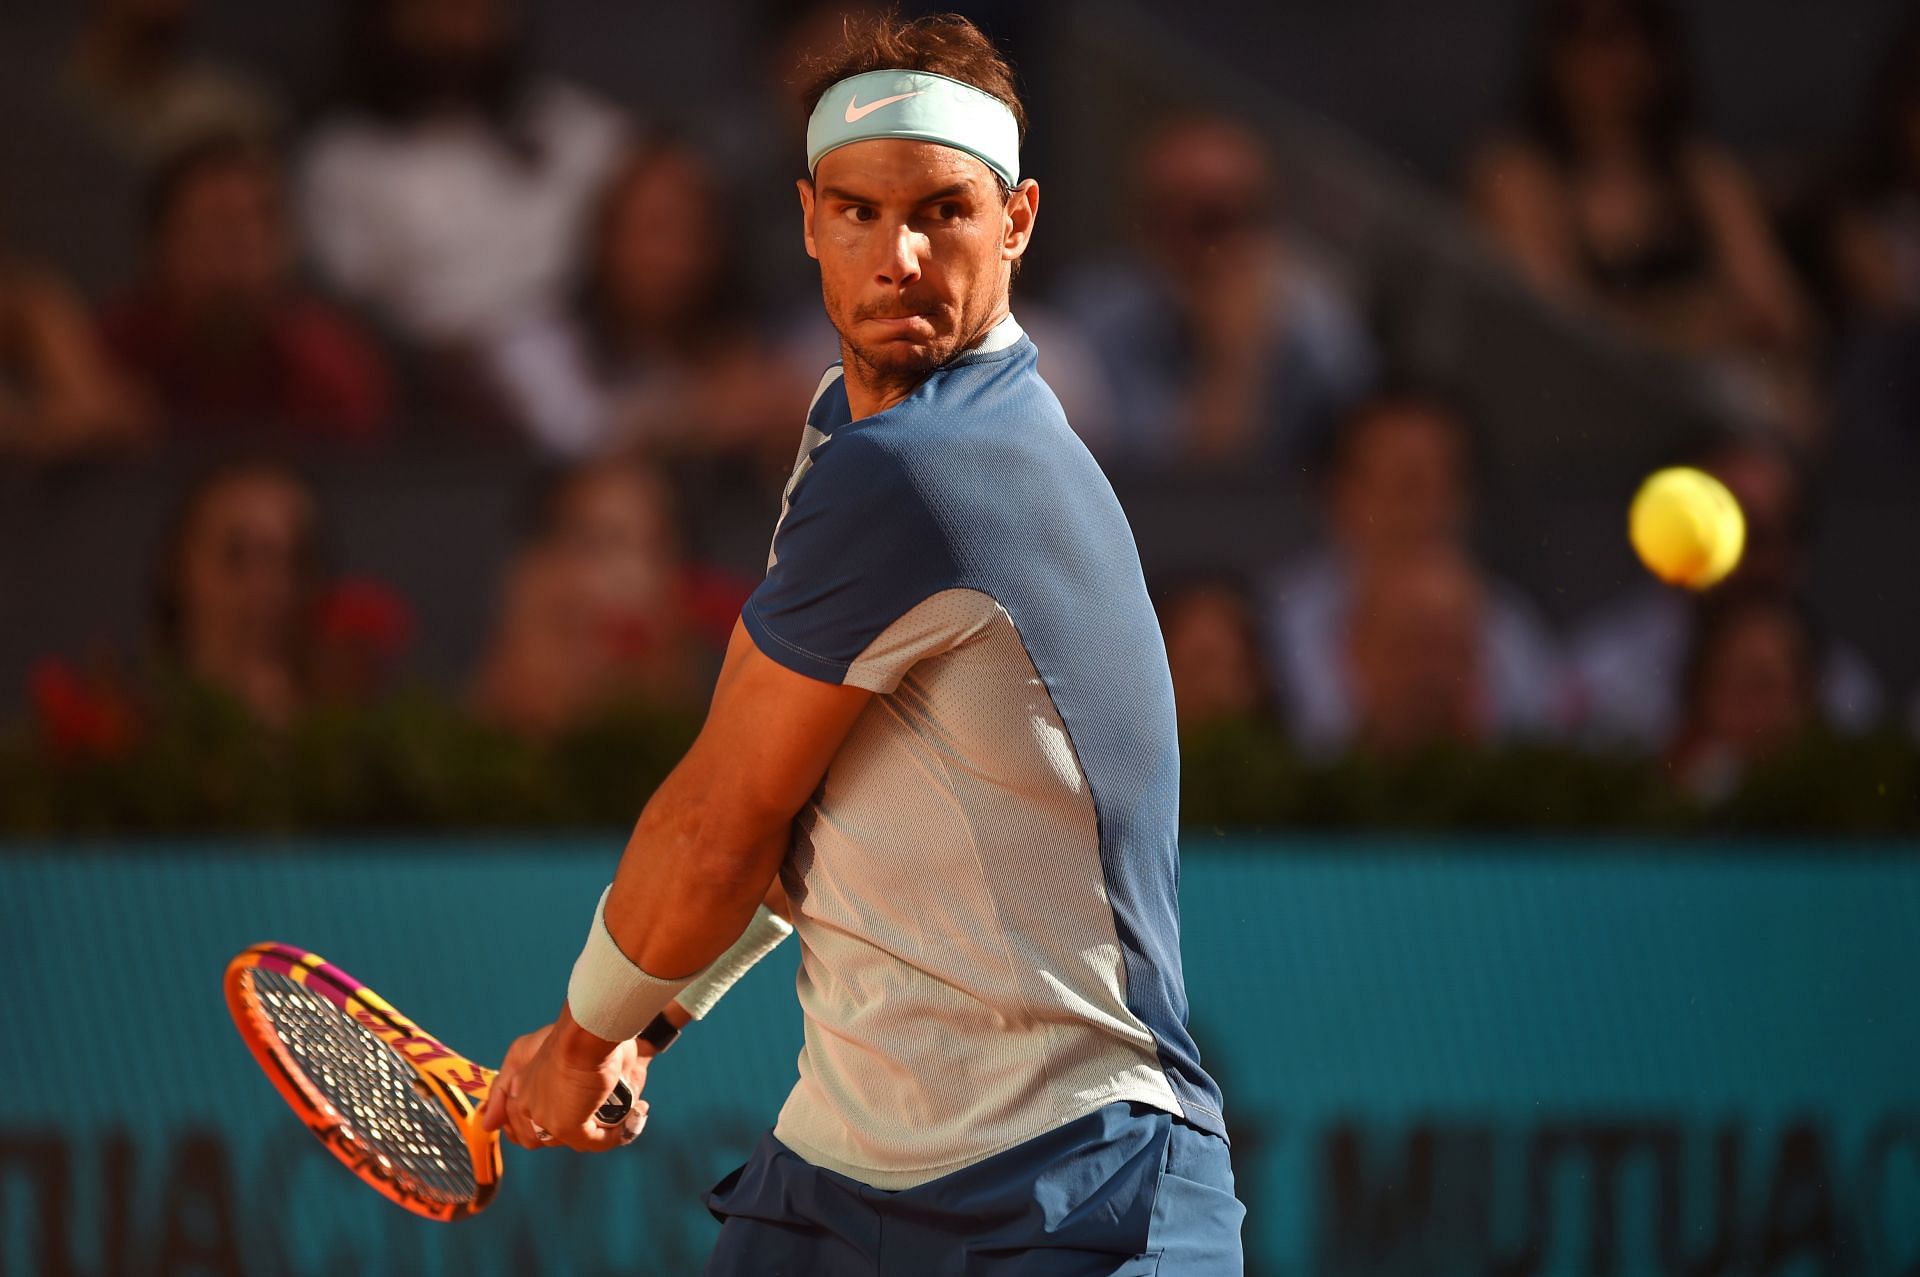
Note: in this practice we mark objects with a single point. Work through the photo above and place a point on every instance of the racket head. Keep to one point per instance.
(398, 1108)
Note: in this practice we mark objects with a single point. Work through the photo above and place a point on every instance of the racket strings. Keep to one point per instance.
(411, 1139)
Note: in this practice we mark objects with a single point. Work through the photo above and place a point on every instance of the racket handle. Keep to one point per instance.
(618, 1105)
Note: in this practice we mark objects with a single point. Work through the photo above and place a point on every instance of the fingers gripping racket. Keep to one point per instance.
(396, 1106)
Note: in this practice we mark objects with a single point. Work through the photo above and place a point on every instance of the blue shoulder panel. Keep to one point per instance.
(856, 550)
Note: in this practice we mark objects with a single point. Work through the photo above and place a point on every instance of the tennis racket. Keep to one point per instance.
(396, 1106)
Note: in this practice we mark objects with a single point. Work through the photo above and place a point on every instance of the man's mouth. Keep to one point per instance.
(907, 322)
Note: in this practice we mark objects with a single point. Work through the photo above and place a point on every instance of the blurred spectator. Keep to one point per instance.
(1214, 653)
(131, 71)
(1873, 255)
(657, 350)
(1399, 486)
(602, 607)
(93, 93)
(1748, 690)
(242, 604)
(1629, 660)
(758, 135)
(1876, 229)
(1415, 658)
(218, 329)
(1223, 341)
(450, 188)
(59, 391)
(1609, 197)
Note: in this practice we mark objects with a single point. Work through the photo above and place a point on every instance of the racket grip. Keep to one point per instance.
(618, 1105)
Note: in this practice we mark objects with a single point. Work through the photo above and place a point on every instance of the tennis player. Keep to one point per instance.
(945, 724)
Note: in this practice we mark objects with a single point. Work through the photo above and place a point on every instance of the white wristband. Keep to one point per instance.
(609, 995)
(762, 936)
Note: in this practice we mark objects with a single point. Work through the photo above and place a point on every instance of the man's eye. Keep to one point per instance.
(861, 214)
(949, 211)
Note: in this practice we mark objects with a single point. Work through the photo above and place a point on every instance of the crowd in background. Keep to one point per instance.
(458, 236)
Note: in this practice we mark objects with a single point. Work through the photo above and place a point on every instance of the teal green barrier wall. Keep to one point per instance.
(1508, 1060)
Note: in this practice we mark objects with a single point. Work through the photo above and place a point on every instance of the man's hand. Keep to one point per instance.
(548, 1082)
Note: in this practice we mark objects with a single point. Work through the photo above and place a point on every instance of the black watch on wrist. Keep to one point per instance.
(660, 1033)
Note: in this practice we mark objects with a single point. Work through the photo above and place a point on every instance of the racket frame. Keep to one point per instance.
(456, 1083)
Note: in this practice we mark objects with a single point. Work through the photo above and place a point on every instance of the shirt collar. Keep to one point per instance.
(999, 337)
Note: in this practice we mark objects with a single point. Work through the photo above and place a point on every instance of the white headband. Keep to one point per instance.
(921, 106)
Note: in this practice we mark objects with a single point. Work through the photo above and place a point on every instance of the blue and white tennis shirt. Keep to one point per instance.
(985, 884)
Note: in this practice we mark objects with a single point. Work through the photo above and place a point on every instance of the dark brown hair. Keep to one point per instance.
(1663, 123)
(942, 43)
(395, 85)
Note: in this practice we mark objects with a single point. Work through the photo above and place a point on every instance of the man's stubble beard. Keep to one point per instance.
(900, 371)
(904, 374)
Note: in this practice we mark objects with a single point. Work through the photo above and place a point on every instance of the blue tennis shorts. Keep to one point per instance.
(1126, 1191)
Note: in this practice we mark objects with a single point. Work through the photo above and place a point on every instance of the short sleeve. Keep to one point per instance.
(860, 547)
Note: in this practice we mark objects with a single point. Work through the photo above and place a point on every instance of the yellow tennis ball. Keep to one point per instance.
(1687, 527)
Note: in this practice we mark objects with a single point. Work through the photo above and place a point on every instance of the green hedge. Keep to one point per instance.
(417, 762)
(1244, 777)
(414, 762)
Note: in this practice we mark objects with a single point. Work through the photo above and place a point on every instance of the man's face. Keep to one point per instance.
(916, 248)
(1606, 65)
(1402, 483)
(1209, 194)
(224, 245)
(246, 564)
(662, 242)
(1755, 692)
(614, 528)
(1212, 656)
(1413, 651)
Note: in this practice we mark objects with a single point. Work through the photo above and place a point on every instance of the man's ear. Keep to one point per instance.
(1023, 209)
(805, 187)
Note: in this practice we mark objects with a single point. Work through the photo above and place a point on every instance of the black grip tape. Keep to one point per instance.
(618, 1105)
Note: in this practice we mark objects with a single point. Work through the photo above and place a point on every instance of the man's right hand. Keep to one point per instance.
(539, 1089)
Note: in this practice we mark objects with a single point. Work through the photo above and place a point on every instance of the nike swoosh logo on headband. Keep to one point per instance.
(857, 113)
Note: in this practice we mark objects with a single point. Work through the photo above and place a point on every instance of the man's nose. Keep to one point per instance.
(905, 250)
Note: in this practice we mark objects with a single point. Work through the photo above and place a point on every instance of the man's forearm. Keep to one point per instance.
(694, 871)
(704, 852)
